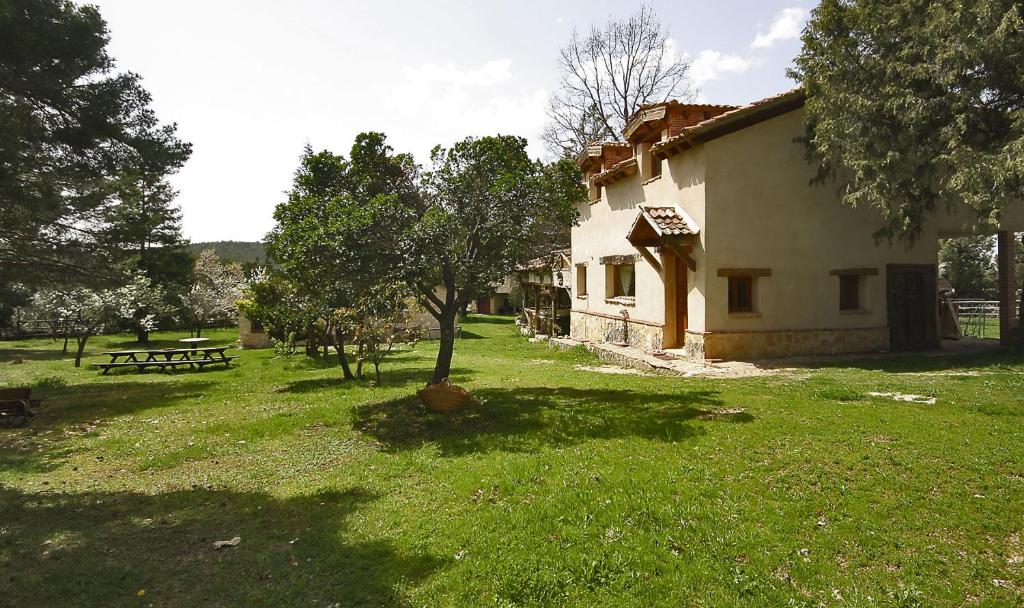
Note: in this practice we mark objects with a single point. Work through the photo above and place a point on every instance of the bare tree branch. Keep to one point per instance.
(607, 76)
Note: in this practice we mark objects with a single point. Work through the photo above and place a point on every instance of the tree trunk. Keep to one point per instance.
(66, 338)
(359, 354)
(142, 336)
(312, 350)
(199, 330)
(376, 368)
(443, 365)
(339, 345)
(81, 349)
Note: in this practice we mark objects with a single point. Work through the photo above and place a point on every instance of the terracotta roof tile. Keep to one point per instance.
(668, 221)
(709, 124)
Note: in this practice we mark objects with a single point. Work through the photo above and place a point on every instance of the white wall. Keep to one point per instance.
(762, 212)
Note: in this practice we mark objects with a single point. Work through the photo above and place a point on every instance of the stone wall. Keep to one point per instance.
(595, 328)
(775, 344)
(248, 338)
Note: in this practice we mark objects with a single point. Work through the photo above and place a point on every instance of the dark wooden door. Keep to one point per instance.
(682, 318)
(483, 306)
(913, 307)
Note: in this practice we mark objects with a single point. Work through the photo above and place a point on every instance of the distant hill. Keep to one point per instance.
(243, 252)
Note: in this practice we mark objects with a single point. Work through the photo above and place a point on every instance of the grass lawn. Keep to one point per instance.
(558, 487)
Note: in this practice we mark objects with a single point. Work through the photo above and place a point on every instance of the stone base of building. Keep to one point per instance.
(741, 345)
(589, 327)
(247, 338)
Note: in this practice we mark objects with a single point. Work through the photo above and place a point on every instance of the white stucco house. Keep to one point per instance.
(704, 236)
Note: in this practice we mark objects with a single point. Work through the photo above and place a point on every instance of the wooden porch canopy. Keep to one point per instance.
(667, 227)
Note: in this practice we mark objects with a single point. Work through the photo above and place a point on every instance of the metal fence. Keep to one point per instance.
(978, 318)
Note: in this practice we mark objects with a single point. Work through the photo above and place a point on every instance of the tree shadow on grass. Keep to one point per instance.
(36, 354)
(390, 378)
(70, 410)
(525, 419)
(491, 319)
(910, 362)
(132, 549)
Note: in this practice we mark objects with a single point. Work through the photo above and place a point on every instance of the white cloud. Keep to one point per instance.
(443, 104)
(712, 65)
(787, 26)
(490, 73)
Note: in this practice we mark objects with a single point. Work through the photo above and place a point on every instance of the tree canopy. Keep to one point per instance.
(969, 265)
(72, 131)
(917, 104)
(361, 232)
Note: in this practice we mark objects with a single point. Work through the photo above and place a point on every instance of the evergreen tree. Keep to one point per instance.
(71, 130)
(917, 104)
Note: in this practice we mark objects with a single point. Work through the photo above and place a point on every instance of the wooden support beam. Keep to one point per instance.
(873, 272)
(647, 255)
(682, 252)
(1006, 265)
(744, 272)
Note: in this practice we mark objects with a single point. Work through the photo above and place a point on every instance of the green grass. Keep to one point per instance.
(557, 487)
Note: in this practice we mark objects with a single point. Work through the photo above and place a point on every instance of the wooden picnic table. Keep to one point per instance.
(194, 357)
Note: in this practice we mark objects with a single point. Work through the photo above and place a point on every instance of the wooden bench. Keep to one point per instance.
(163, 365)
(16, 405)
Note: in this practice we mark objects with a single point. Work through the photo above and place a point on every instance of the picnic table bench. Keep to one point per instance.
(168, 358)
(16, 405)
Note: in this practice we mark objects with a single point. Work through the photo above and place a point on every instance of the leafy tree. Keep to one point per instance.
(915, 104)
(334, 239)
(379, 319)
(483, 201)
(607, 75)
(13, 298)
(969, 265)
(215, 289)
(287, 315)
(72, 129)
(351, 227)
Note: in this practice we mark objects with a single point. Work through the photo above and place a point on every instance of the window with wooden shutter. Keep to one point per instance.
(741, 294)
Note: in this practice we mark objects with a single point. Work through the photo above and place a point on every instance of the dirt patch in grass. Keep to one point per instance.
(922, 399)
(611, 369)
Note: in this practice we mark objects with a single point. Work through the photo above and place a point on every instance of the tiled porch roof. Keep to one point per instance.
(669, 222)
(653, 224)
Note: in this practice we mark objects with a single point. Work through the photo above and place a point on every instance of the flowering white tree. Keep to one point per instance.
(50, 305)
(81, 312)
(215, 289)
(139, 302)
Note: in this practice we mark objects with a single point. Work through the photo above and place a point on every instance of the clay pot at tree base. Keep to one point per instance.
(443, 397)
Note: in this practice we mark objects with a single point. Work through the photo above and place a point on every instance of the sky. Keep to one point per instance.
(251, 82)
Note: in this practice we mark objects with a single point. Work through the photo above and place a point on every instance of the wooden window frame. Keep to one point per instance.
(735, 281)
(616, 282)
(850, 301)
(581, 281)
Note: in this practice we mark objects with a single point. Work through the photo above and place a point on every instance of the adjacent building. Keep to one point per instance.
(704, 236)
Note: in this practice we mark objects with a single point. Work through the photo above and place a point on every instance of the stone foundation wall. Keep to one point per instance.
(592, 328)
(777, 344)
(247, 338)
